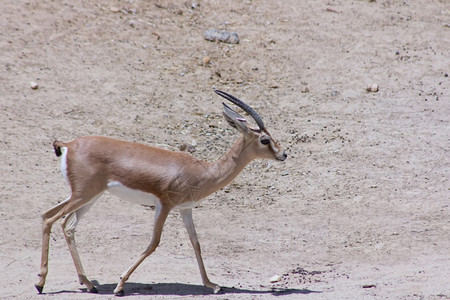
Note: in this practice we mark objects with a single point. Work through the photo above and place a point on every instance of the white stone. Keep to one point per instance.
(275, 278)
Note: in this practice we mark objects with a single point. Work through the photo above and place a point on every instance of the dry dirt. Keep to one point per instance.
(359, 210)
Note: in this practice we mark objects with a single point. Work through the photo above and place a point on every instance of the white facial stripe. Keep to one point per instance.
(272, 144)
(275, 149)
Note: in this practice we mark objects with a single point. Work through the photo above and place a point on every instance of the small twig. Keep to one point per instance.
(160, 6)
(332, 10)
(69, 112)
(157, 35)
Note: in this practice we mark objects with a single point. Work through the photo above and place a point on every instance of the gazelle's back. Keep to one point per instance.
(134, 165)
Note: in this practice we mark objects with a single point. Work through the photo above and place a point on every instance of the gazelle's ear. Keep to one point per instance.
(234, 119)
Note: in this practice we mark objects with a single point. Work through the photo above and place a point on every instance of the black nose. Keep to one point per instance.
(284, 155)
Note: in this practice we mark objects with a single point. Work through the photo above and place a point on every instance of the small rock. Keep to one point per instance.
(372, 88)
(305, 89)
(187, 147)
(34, 85)
(206, 60)
(132, 23)
(275, 278)
(114, 9)
(221, 36)
(284, 173)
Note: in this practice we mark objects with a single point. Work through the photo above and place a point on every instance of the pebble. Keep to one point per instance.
(372, 88)
(206, 60)
(34, 85)
(275, 278)
(132, 23)
(284, 173)
(305, 89)
(187, 147)
(221, 36)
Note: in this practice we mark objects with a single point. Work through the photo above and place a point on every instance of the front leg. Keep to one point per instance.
(160, 219)
(186, 215)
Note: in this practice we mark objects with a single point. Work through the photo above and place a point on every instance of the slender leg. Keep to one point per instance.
(160, 218)
(64, 208)
(186, 214)
(69, 224)
(48, 218)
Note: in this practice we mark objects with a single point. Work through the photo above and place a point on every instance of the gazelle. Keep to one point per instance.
(152, 176)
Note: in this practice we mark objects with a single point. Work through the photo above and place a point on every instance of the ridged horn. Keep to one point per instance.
(244, 106)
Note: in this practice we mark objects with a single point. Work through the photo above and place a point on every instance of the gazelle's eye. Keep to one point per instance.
(265, 141)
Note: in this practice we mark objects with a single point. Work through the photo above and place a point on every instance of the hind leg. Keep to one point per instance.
(69, 225)
(67, 207)
(48, 218)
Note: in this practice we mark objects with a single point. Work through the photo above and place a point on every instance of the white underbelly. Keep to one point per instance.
(118, 189)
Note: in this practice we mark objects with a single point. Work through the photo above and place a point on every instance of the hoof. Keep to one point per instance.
(39, 288)
(93, 290)
(119, 293)
(217, 290)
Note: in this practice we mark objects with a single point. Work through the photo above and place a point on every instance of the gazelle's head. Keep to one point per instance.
(261, 142)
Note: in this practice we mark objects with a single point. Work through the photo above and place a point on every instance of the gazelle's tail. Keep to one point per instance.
(57, 146)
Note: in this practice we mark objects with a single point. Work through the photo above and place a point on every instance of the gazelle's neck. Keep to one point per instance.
(221, 172)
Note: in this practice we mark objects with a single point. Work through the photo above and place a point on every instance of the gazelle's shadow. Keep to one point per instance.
(181, 289)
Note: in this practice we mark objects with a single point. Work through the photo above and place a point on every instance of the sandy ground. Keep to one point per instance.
(359, 210)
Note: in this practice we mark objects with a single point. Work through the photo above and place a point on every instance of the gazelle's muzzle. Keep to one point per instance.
(281, 155)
